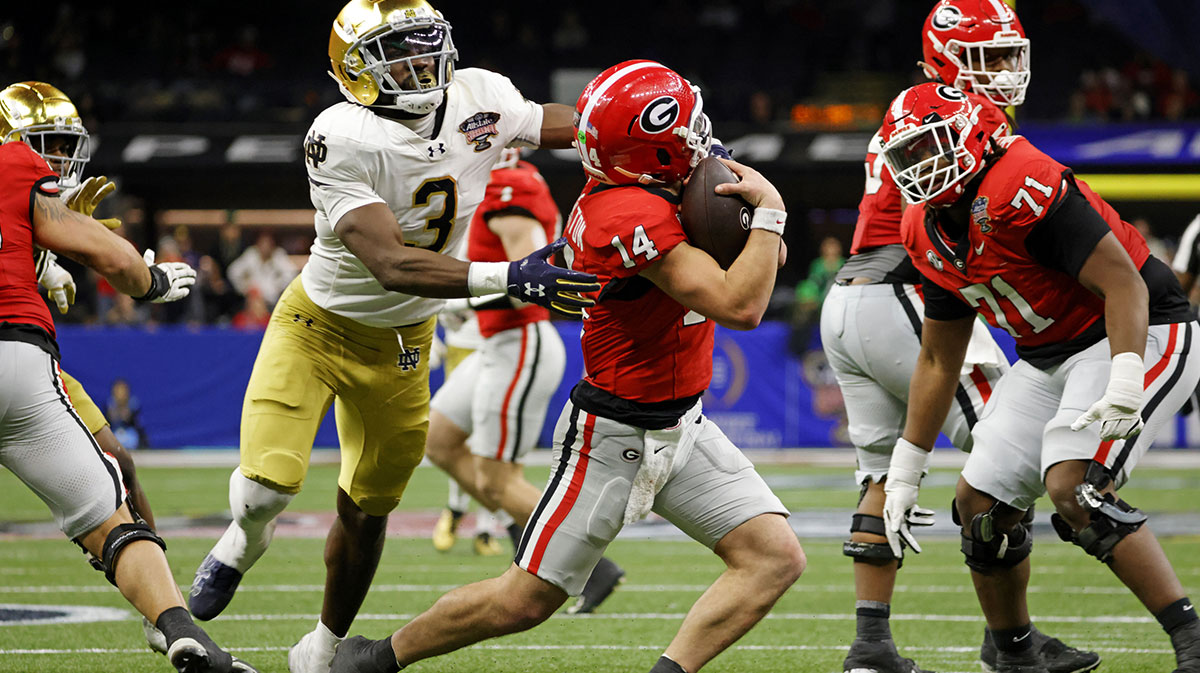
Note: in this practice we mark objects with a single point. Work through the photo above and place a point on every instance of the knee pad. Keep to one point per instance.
(252, 503)
(874, 553)
(1112, 520)
(985, 549)
(118, 538)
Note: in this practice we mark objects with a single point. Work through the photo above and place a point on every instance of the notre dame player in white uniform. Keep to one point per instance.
(395, 175)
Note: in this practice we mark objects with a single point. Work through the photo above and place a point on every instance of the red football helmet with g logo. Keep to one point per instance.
(979, 46)
(640, 122)
(934, 141)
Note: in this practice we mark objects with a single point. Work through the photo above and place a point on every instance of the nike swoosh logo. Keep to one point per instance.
(979, 250)
(1190, 607)
(1017, 640)
(659, 449)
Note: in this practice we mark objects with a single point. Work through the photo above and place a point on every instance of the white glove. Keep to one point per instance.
(900, 510)
(1119, 410)
(58, 284)
(170, 281)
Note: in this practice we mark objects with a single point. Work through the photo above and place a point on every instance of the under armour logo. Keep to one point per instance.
(410, 358)
(531, 291)
(299, 318)
(440, 149)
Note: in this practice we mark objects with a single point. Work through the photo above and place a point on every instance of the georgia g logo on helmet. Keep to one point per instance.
(945, 18)
(659, 114)
(950, 93)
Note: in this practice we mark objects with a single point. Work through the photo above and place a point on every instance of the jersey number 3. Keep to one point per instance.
(443, 222)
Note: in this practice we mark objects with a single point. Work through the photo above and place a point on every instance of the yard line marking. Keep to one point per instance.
(625, 588)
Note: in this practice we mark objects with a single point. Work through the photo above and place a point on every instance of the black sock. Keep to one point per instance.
(666, 665)
(1014, 641)
(383, 656)
(455, 514)
(1177, 614)
(872, 619)
(514, 534)
(175, 623)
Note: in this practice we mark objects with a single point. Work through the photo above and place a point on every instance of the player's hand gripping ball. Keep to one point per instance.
(717, 224)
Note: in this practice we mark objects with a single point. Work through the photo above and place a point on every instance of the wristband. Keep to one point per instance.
(1125, 380)
(909, 461)
(159, 284)
(487, 278)
(769, 219)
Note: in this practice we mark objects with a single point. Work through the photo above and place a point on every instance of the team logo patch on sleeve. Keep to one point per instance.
(315, 149)
(979, 214)
(480, 128)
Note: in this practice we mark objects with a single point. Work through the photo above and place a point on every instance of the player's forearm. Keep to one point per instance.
(930, 394)
(124, 269)
(422, 273)
(750, 280)
(1126, 318)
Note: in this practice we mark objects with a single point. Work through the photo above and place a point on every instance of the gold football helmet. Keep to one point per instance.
(370, 38)
(42, 116)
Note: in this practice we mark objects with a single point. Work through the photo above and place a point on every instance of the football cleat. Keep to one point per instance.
(307, 656)
(191, 655)
(1025, 662)
(446, 530)
(1186, 641)
(154, 638)
(606, 576)
(878, 656)
(1056, 655)
(486, 545)
(212, 589)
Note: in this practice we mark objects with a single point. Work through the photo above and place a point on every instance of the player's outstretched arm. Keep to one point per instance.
(371, 233)
(558, 126)
(84, 239)
(735, 298)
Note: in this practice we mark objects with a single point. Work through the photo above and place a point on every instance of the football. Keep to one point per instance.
(718, 225)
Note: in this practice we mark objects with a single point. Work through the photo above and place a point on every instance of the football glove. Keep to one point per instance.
(900, 510)
(536, 280)
(56, 281)
(85, 198)
(1119, 410)
(169, 281)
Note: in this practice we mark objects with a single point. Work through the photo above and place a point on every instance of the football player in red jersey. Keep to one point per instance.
(1104, 336)
(498, 396)
(633, 437)
(43, 441)
(871, 330)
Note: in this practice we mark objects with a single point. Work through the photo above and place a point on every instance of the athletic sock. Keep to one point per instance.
(514, 534)
(383, 656)
(1014, 641)
(458, 499)
(872, 619)
(174, 623)
(666, 665)
(1177, 614)
(326, 639)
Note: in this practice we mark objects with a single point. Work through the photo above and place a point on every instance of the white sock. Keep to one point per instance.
(254, 508)
(485, 522)
(458, 500)
(325, 639)
(503, 519)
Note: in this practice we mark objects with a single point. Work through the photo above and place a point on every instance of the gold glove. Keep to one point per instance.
(89, 195)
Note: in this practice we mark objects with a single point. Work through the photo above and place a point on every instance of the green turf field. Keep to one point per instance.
(936, 617)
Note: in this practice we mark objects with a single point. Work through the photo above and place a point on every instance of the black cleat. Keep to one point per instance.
(212, 589)
(878, 656)
(605, 577)
(1186, 641)
(193, 655)
(1026, 662)
(1057, 656)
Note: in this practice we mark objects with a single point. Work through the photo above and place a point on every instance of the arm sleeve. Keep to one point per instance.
(341, 182)
(942, 304)
(1064, 238)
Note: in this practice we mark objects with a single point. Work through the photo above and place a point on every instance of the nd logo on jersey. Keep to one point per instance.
(315, 149)
(409, 359)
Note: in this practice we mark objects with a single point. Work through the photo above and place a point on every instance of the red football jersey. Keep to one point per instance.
(879, 210)
(520, 188)
(638, 343)
(21, 172)
(998, 276)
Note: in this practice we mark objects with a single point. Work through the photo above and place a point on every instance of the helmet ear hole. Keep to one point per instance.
(664, 157)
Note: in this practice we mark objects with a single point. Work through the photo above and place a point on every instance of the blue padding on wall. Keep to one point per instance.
(191, 383)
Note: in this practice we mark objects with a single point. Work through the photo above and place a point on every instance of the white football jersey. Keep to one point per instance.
(355, 157)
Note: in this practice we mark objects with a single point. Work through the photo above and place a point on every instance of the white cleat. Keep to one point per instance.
(309, 656)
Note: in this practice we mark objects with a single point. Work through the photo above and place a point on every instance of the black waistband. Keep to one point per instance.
(30, 334)
(648, 415)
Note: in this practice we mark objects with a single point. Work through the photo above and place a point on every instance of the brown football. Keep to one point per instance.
(718, 225)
